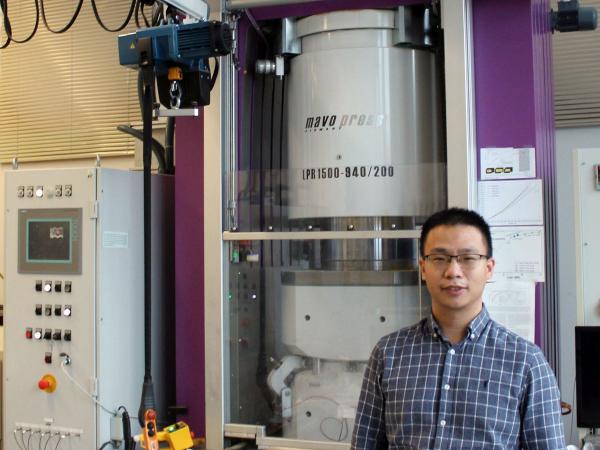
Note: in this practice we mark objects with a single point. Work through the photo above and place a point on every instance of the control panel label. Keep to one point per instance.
(115, 239)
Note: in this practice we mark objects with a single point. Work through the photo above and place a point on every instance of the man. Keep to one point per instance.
(457, 379)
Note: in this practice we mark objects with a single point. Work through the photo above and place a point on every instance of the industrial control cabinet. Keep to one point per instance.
(586, 188)
(74, 338)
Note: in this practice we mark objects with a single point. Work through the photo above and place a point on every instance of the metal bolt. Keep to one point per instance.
(270, 228)
(393, 226)
(309, 228)
(350, 227)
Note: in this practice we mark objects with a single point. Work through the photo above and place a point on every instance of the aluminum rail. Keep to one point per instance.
(319, 235)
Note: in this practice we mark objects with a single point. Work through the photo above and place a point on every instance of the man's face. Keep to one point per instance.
(455, 288)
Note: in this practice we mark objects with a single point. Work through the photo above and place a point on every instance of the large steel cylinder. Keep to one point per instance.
(364, 118)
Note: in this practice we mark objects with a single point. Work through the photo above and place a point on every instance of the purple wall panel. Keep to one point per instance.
(504, 95)
(189, 273)
(513, 94)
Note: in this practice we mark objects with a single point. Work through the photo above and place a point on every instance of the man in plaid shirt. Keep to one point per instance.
(457, 379)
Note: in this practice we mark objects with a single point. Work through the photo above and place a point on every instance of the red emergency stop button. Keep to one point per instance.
(47, 383)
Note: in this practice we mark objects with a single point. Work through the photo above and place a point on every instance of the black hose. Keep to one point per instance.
(148, 400)
(7, 28)
(215, 74)
(127, 437)
(35, 27)
(140, 90)
(157, 149)
(143, 14)
(136, 15)
(123, 25)
(147, 154)
(169, 142)
(67, 26)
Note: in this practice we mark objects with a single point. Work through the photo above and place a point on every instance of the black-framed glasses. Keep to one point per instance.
(466, 261)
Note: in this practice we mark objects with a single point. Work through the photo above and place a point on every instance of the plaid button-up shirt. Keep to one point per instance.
(494, 390)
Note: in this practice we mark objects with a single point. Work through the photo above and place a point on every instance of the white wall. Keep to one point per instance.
(568, 139)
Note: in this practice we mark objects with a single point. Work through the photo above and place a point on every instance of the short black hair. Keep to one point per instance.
(456, 216)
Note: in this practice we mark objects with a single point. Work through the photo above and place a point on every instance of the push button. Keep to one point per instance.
(67, 311)
(38, 285)
(48, 358)
(68, 286)
(48, 310)
(58, 190)
(47, 334)
(47, 286)
(57, 335)
(38, 310)
(47, 382)
(67, 335)
(58, 286)
(57, 310)
(28, 333)
(21, 191)
(68, 190)
(37, 334)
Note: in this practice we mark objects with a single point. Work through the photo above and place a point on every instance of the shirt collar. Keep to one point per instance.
(479, 323)
(475, 327)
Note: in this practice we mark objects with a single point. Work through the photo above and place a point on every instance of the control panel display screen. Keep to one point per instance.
(50, 240)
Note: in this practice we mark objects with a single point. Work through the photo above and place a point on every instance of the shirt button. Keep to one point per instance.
(452, 352)
(443, 423)
(446, 387)
(473, 336)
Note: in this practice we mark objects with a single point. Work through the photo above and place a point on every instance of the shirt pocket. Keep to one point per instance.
(496, 407)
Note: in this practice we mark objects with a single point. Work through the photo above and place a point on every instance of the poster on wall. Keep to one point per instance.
(519, 253)
(506, 163)
(512, 304)
(511, 202)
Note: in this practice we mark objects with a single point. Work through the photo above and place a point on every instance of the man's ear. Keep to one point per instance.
(490, 264)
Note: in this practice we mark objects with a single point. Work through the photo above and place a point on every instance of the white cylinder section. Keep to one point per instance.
(343, 323)
(364, 121)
